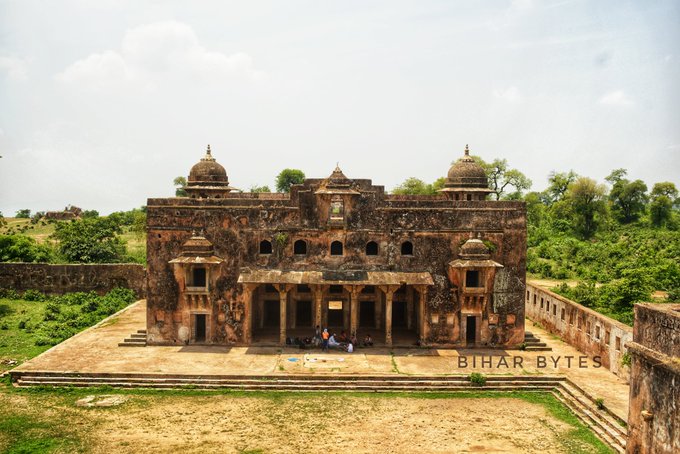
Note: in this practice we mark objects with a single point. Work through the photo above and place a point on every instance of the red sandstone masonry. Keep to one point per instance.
(585, 329)
(60, 279)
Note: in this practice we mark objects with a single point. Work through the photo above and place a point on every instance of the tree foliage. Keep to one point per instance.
(256, 188)
(23, 214)
(415, 186)
(179, 183)
(21, 248)
(586, 200)
(628, 198)
(502, 179)
(287, 178)
(93, 240)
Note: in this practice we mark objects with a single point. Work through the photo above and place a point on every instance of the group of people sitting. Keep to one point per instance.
(341, 342)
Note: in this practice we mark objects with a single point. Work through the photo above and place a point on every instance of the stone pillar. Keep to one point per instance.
(378, 310)
(318, 297)
(345, 315)
(409, 307)
(260, 308)
(354, 291)
(248, 291)
(389, 294)
(422, 304)
(293, 313)
(283, 290)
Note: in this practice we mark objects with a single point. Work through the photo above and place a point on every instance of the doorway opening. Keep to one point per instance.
(303, 314)
(200, 327)
(272, 314)
(470, 330)
(367, 314)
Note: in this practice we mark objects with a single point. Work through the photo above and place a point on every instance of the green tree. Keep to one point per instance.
(256, 188)
(93, 240)
(90, 214)
(558, 184)
(180, 183)
(287, 178)
(21, 248)
(501, 179)
(663, 197)
(2, 220)
(628, 198)
(23, 214)
(415, 186)
(586, 199)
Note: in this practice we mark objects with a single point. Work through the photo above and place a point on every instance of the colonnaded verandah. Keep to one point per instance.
(234, 268)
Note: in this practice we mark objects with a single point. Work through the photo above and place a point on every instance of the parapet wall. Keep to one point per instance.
(585, 329)
(653, 413)
(60, 279)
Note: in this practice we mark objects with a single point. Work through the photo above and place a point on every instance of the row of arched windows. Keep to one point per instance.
(337, 248)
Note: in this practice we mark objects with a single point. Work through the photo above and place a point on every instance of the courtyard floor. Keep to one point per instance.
(96, 350)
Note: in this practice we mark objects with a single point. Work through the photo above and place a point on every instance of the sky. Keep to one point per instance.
(103, 102)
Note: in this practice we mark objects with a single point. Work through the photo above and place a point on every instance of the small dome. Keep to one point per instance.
(467, 173)
(474, 249)
(207, 172)
(197, 246)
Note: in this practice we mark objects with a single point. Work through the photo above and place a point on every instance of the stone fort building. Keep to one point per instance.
(233, 268)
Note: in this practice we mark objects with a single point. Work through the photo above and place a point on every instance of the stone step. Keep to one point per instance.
(138, 336)
(532, 348)
(294, 377)
(132, 343)
(612, 442)
(225, 382)
(533, 340)
(591, 410)
(286, 387)
(141, 331)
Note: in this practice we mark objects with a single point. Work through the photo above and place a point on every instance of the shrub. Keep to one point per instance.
(33, 295)
(9, 293)
(599, 403)
(625, 359)
(477, 379)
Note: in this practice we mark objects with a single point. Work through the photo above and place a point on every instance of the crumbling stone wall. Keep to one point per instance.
(437, 227)
(654, 409)
(60, 279)
(585, 329)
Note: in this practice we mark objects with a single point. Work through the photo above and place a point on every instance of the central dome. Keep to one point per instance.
(207, 172)
(466, 173)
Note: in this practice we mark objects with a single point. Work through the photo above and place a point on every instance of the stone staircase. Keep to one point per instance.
(608, 427)
(534, 344)
(137, 339)
(287, 382)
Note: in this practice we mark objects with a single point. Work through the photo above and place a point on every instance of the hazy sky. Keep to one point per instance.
(103, 103)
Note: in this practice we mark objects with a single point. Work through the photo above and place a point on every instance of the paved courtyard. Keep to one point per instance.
(96, 350)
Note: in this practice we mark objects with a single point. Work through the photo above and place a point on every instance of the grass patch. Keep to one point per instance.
(19, 320)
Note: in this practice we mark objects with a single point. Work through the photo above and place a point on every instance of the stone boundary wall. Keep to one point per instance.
(585, 329)
(60, 279)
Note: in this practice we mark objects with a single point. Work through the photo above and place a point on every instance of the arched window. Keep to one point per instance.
(371, 248)
(300, 247)
(336, 248)
(265, 247)
(406, 248)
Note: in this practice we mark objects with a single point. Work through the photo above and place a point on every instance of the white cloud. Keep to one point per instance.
(16, 68)
(616, 98)
(510, 94)
(157, 49)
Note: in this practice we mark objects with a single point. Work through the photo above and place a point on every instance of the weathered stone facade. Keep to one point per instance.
(60, 279)
(231, 268)
(589, 331)
(654, 409)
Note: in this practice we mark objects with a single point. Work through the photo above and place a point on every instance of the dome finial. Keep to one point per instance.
(208, 155)
(467, 150)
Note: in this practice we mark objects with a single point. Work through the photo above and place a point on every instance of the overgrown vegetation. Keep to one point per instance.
(33, 322)
(116, 238)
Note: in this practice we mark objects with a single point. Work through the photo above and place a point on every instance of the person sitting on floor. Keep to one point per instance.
(343, 337)
(353, 340)
(333, 342)
(368, 341)
(350, 348)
